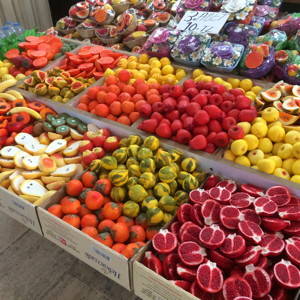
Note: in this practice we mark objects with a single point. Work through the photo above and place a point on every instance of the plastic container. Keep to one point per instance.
(6, 31)
(278, 39)
(189, 48)
(241, 11)
(19, 29)
(161, 42)
(264, 52)
(196, 5)
(240, 33)
(258, 23)
(222, 56)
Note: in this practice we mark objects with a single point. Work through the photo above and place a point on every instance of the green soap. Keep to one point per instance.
(72, 122)
(82, 127)
(47, 127)
(64, 130)
(58, 122)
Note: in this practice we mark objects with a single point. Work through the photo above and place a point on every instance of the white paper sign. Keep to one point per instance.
(203, 22)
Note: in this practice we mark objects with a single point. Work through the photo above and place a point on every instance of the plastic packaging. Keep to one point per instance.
(107, 34)
(6, 31)
(80, 11)
(196, 5)
(275, 38)
(66, 25)
(222, 56)
(272, 3)
(258, 23)
(157, 5)
(240, 33)
(241, 11)
(257, 61)
(126, 22)
(268, 12)
(294, 42)
(135, 39)
(289, 24)
(161, 41)
(189, 48)
(102, 15)
(18, 28)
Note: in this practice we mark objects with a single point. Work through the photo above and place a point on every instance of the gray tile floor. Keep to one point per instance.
(33, 268)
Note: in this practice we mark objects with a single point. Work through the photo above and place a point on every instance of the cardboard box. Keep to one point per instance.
(148, 285)
(106, 261)
(19, 209)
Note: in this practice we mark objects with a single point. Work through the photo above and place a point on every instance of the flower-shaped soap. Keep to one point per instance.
(240, 33)
(198, 5)
(272, 3)
(268, 12)
(189, 48)
(258, 23)
(161, 41)
(241, 11)
(222, 56)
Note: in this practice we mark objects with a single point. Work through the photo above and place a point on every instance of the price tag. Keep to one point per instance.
(203, 22)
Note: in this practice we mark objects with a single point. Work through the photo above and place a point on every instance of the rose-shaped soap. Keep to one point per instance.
(192, 4)
(233, 6)
(189, 44)
(222, 50)
(159, 35)
(238, 38)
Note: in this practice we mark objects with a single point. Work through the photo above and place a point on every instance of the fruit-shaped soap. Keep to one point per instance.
(32, 188)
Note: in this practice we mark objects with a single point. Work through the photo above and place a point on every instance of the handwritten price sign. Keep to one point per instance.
(203, 22)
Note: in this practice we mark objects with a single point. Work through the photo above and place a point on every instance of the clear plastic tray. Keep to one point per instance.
(222, 56)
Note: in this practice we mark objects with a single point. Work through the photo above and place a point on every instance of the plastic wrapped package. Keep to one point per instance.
(120, 6)
(222, 56)
(107, 34)
(284, 58)
(196, 5)
(241, 11)
(289, 24)
(135, 39)
(257, 61)
(258, 23)
(162, 17)
(216, 5)
(102, 15)
(80, 11)
(276, 38)
(272, 3)
(240, 33)
(161, 41)
(189, 48)
(66, 25)
(294, 42)
(268, 12)
(157, 5)
(126, 22)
